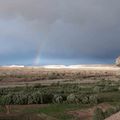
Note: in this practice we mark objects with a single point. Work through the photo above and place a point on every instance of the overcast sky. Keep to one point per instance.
(59, 31)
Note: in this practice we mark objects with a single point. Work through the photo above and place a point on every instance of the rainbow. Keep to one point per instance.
(39, 49)
(41, 46)
(36, 61)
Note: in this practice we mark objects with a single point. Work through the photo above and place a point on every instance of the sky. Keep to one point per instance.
(38, 32)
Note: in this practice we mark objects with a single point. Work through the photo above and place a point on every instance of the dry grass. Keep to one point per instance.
(30, 75)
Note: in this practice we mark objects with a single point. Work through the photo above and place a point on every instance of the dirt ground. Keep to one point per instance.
(86, 114)
(82, 114)
(14, 109)
(11, 77)
(114, 117)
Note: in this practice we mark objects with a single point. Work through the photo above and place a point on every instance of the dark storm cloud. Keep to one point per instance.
(60, 29)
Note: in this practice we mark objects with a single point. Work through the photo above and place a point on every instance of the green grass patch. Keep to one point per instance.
(58, 111)
(109, 97)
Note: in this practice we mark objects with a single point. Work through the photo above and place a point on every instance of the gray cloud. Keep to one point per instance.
(60, 29)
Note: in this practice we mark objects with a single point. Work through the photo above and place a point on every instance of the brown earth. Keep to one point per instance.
(83, 114)
(10, 77)
(114, 117)
(86, 114)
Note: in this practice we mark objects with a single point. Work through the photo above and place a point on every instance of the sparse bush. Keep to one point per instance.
(35, 98)
(6, 100)
(53, 75)
(85, 100)
(57, 99)
(117, 108)
(72, 98)
(109, 112)
(106, 88)
(93, 99)
(19, 98)
(109, 88)
(98, 114)
(2, 108)
(47, 98)
(119, 88)
(97, 89)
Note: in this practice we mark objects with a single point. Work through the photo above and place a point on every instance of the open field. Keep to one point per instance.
(79, 74)
(37, 93)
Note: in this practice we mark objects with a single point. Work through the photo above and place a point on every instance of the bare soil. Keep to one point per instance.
(114, 117)
(11, 77)
(87, 114)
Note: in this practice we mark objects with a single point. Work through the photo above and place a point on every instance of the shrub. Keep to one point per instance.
(72, 99)
(30, 99)
(57, 99)
(117, 108)
(47, 98)
(98, 114)
(2, 108)
(109, 112)
(97, 89)
(35, 98)
(119, 88)
(6, 100)
(85, 100)
(19, 98)
(93, 99)
(106, 89)
(53, 75)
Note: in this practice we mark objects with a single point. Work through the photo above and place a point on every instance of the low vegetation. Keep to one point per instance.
(61, 98)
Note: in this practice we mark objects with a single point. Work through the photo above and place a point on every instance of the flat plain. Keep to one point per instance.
(59, 93)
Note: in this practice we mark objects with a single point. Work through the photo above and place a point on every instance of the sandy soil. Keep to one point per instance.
(114, 117)
(10, 77)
